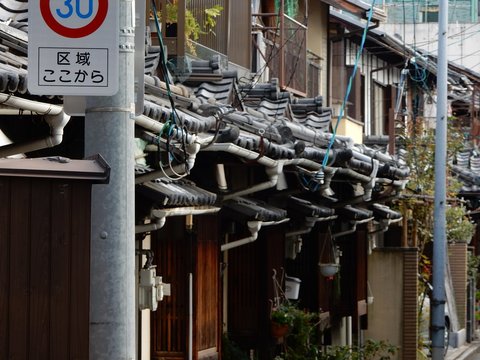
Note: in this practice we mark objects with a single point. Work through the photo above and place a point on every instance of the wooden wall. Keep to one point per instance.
(178, 253)
(44, 268)
(458, 257)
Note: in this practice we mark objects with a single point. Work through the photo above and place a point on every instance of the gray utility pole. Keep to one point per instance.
(439, 229)
(109, 131)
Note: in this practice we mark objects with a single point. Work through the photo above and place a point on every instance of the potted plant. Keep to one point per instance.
(301, 340)
(281, 319)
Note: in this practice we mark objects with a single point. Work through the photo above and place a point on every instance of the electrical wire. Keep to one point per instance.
(173, 120)
(349, 86)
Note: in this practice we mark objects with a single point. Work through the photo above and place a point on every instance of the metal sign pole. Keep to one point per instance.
(109, 130)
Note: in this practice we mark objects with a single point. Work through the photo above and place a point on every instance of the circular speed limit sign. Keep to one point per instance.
(89, 14)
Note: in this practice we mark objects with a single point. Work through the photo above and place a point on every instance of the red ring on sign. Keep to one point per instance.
(74, 33)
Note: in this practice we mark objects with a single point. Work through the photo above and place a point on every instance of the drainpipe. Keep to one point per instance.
(156, 126)
(272, 172)
(309, 224)
(192, 150)
(263, 160)
(355, 223)
(153, 226)
(384, 224)
(239, 151)
(254, 227)
(220, 177)
(368, 187)
(54, 116)
(190, 316)
(352, 173)
(274, 168)
(294, 236)
(349, 331)
(160, 216)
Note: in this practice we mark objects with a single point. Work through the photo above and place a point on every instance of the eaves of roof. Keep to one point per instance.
(166, 193)
(248, 209)
(358, 8)
(95, 169)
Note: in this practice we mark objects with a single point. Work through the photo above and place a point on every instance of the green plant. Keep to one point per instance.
(211, 15)
(301, 342)
(231, 351)
(283, 314)
(458, 225)
(473, 267)
(372, 350)
(193, 29)
(417, 205)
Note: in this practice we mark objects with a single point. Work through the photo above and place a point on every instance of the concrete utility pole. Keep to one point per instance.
(109, 131)
(439, 229)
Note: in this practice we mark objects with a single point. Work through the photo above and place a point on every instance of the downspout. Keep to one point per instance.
(355, 223)
(239, 151)
(220, 177)
(192, 151)
(190, 316)
(55, 117)
(272, 172)
(153, 226)
(368, 187)
(384, 225)
(160, 216)
(254, 227)
(310, 222)
(294, 235)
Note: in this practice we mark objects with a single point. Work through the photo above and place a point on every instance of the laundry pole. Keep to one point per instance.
(109, 131)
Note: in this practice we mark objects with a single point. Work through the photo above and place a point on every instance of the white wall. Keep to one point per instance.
(463, 40)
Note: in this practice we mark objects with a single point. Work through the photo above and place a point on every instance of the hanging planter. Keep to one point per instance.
(328, 269)
(329, 264)
(278, 330)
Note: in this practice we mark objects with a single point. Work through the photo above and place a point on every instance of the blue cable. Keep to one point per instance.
(349, 87)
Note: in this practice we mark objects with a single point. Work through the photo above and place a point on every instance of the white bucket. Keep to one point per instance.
(292, 287)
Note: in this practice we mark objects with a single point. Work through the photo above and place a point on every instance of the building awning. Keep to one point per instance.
(94, 169)
(358, 8)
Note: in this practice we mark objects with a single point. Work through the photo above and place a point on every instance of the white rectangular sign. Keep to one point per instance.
(73, 47)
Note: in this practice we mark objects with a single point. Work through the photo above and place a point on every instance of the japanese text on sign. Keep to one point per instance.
(74, 67)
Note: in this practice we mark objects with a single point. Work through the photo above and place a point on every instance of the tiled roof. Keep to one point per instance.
(167, 193)
(467, 168)
(14, 10)
(248, 209)
(306, 208)
(255, 122)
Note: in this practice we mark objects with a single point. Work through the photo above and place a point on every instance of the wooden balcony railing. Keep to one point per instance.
(286, 51)
(215, 38)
